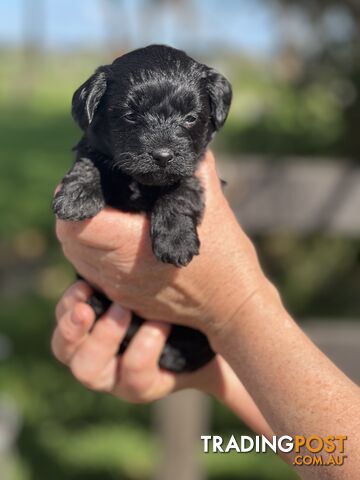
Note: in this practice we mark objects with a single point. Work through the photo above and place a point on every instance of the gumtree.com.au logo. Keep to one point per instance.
(310, 450)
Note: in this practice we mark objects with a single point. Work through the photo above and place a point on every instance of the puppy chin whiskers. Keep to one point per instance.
(132, 164)
(119, 160)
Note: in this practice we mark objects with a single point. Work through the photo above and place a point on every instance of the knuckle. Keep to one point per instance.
(59, 309)
(62, 231)
(90, 378)
(136, 390)
(148, 347)
(138, 398)
(82, 373)
(252, 250)
(132, 368)
(153, 330)
(135, 365)
(152, 340)
(95, 385)
(56, 350)
(136, 383)
(66, 300)
(108, 332)
(66, 250)
(78, 292)
(67, 332)
(249, 247)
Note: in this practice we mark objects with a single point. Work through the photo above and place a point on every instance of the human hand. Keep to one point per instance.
(90, 349)
(113, 252)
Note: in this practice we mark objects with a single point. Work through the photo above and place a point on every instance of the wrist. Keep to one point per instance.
(261, 300)
(228, 275)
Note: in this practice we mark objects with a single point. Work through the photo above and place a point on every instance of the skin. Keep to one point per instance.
(288, 386)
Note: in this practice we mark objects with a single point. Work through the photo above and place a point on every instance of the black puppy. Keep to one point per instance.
(147, 120)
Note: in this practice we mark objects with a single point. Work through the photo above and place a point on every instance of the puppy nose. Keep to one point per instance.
(162, 156)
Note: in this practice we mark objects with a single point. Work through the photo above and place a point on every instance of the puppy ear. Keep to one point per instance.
(220, 94)
(87, 97)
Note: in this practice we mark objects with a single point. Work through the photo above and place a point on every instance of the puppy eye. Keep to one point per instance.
(190, 119)
(130, 117)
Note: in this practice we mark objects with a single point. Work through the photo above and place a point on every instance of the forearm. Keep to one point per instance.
(297, 388)
(224, 293)
(236, 398)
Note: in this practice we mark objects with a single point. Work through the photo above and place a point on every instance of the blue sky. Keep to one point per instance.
(248, 25)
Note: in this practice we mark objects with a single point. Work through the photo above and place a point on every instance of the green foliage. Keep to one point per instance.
(36, 152)
(69, 432)
(274, 117)
(317, 276)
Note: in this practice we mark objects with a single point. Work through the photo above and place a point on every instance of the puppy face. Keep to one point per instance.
(153, 112)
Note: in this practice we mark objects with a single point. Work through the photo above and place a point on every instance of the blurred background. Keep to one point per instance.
(290, 151)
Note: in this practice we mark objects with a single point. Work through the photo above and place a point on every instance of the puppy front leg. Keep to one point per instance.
(174, 219)
(80, 195)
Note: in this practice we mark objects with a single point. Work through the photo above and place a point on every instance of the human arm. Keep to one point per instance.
(89, 349)
(225, 293)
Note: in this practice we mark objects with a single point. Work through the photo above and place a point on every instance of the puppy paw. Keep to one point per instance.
(177, 247)
(77, 201)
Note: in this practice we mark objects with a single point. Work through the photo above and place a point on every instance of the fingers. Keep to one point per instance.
(138, 369)
(105, 230)
(95, 361)
(78, 292)
(72, 329)
(74, 320)
(91, 350)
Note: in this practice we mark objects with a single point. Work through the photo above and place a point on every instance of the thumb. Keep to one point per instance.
(105, 230)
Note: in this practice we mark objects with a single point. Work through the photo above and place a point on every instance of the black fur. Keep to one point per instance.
(147, 119)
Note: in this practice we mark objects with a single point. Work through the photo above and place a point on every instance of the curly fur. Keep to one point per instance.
(147, 119)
